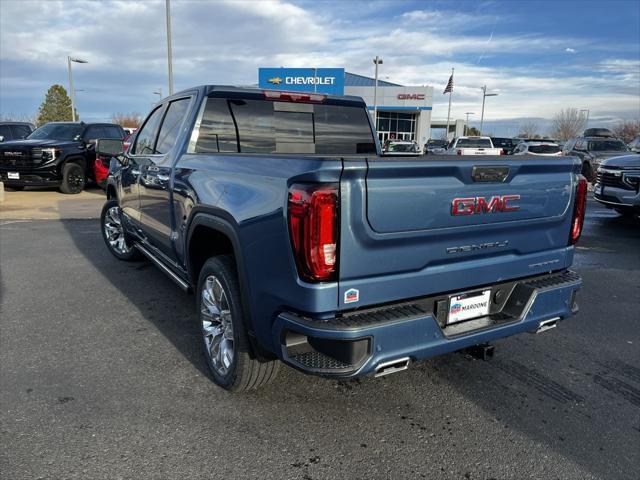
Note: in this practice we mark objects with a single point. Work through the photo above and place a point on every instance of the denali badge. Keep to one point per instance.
(475, 205)
(478, 246)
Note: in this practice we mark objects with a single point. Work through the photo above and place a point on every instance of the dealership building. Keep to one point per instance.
(403, 112)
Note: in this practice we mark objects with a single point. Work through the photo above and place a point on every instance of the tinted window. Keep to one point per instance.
(5, 132)
(607, 145)
(342, 130)
(146, 136)
(255, 125)
(474, 143)
(171, 125)
(544, 148)
(113, 131)
(94, 132)
(57, 131)
(217, 131)
(437, 143)
(20, 131)
(283, 127)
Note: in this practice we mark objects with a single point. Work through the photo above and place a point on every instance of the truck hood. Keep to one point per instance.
(603, 155)
(624, 161)
(22, 144)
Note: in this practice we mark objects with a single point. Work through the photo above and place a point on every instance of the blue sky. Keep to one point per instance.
(540, 56)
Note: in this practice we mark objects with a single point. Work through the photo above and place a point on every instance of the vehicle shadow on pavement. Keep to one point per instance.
(542, 408)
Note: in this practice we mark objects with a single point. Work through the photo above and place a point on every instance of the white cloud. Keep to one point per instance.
(226, 41)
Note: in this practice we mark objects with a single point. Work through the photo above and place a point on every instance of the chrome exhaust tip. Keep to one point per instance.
(394, 366)
(545, 325)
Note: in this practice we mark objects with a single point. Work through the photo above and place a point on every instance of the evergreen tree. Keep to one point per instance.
(56, 106)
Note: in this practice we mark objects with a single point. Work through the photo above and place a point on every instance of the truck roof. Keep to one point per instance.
(259, 93)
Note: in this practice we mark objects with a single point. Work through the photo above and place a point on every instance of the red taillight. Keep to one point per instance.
(313, 226)
(459, 152)
(294, 97)
(579, 209)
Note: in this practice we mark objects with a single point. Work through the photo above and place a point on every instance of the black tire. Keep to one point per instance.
(73, 179)
(627, 212)
(244, 372)
(110, 235)
(587, 172)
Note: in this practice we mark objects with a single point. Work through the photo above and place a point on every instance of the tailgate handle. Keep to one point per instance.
(490, 173)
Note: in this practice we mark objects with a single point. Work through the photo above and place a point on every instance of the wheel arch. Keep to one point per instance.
(210, 235)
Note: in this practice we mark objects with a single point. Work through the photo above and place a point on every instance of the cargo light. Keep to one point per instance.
(313, 227)
(294, 97)
(579, 210)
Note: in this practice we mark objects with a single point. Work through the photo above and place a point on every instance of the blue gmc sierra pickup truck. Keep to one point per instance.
(304, 245)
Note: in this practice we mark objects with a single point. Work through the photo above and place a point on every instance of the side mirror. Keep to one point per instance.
(109, 147)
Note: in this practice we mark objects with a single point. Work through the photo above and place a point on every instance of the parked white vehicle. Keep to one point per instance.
(472, 146)
(548, 149)
(400, 147)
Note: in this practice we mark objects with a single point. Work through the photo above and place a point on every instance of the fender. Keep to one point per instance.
(225, 227)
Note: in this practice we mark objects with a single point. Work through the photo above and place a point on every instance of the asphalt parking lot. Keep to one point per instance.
(102, 377)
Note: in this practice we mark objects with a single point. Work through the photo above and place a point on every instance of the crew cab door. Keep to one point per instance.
(140, 154)
(154, 182)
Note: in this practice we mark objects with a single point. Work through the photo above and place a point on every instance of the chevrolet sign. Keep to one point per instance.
(319, 80)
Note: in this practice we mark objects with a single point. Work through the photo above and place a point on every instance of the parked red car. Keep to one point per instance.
(101, 165)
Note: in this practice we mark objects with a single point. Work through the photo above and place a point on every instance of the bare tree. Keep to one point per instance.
(627, 130)
(23, 117)
(567, 123)
(529, 129)
(127, 120)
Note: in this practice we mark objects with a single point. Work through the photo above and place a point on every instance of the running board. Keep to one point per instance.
(170, 273)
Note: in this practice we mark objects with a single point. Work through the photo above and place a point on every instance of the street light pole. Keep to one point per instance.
(586, 123)
(159, 93)
(377, 61)
(466, 125)
(169, 53)
(484, 95)
(72, 92)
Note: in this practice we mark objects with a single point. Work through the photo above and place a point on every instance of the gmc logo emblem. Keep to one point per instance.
(411, 96)
(476, 205)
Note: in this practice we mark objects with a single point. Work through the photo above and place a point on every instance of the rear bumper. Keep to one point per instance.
(360, 342)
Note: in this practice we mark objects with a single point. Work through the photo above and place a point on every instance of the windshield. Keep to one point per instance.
(544, 149)
(56, 131)
(401, 147)
(474, 143)
(607, 146)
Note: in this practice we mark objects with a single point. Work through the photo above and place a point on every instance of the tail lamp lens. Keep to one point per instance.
(579, 210)
(313, 227)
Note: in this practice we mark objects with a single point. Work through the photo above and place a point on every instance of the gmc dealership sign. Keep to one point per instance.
(411, 96)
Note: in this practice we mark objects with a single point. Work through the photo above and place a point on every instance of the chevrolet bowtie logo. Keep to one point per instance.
(275, 80)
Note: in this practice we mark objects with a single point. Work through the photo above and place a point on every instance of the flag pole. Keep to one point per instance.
(446, 136)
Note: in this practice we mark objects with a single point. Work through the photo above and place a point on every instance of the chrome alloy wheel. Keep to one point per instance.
(115, 232)
(217, 327)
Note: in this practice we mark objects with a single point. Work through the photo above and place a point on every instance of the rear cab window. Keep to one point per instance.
(281, 127)
(474, 143)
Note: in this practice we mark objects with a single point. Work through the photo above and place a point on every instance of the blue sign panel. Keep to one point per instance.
(319, 80)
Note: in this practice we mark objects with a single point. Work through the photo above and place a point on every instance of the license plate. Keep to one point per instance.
(13, 175)
(468, 305)
(599, 190)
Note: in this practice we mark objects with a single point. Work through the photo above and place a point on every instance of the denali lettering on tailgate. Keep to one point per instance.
(476, 205)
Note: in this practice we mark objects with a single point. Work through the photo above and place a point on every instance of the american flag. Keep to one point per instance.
(449, 87)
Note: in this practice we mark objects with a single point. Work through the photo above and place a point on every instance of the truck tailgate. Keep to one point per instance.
(418, 227)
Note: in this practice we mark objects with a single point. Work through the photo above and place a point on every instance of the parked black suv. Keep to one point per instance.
(592, 148)
(14, 130)
(57, 153)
